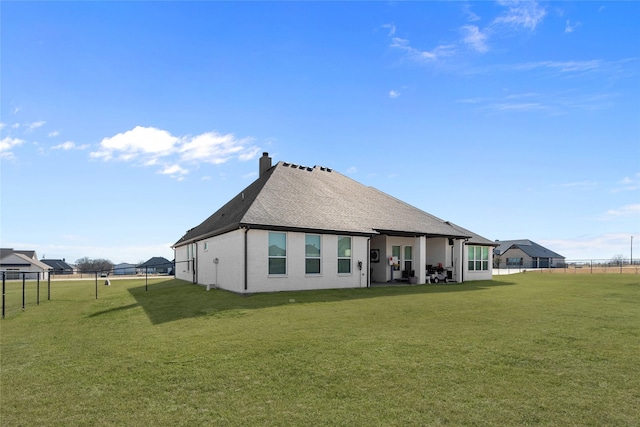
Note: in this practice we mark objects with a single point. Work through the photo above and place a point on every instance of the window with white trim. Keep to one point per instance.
(277, 253)
(478, 258)
(344, 255)
(312, 253)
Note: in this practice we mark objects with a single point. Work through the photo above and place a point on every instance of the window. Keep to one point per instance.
(344, 255)
(206, 246)
(408, 257)
(515, 261)
(478, 258)
(395, 252)
(312, 254)
(277, 253)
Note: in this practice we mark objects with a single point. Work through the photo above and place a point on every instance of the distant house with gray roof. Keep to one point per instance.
(124, 268)
(16, 264)
(156, 265)
(525, 254)
(58, 266)
(299, 227)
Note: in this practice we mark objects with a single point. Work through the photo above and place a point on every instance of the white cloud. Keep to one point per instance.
(35, 125)
(150, 146)
(471, 15)
(53, 133)
(422, 55)
(215, 148)
(624, 211)
(6, 146)
(570, 28)
(629, 183)
(141, 141)
(475, 38)
(352, 170)
(563, 66)
(175, 171)
(67, 146)
(526, 14)
(391, 28)
(249, 153)
(518, 106)
(393, 94)
(521, 14)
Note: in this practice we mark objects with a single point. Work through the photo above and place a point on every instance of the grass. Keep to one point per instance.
(544, 350)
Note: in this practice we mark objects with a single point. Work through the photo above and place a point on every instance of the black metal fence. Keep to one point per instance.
(580, 266)
(29, 286)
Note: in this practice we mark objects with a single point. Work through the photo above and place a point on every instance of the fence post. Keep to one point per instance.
(38, 290)
(96, 285)
(146, 279)
(23, 291)
(49, 286)
(3, 292)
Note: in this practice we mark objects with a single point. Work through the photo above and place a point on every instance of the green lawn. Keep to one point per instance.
(528, 349)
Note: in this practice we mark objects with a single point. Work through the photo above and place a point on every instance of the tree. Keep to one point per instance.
(617, 259)
(496, 261)
(87, 265)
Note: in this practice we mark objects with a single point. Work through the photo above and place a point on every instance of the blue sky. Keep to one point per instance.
(125, 124)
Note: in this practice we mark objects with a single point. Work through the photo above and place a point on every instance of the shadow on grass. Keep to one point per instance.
(115, 310)
(176, 299)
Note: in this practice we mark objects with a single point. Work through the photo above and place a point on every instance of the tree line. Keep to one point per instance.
(87, 265)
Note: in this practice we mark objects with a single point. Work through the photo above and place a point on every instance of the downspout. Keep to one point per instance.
(195, 263)
(462, 258)
(246, 257)
(368, 262)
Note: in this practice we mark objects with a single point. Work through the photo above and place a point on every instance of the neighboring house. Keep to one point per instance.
(58, 266)
(156, 265)
(299, 227)
(124, 269)
(16, 263)
(525, 254)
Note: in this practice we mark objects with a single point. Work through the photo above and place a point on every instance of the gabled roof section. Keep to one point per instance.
(156, 261)
(475, 239)
(293, 197)
(529, 247)
(21, 260)
(57, 264)
(8, 251)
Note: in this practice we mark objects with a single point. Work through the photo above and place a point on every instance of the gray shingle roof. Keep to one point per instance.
(57, 264)
(158, 262)
(293, 197)
(8, 251)
(529, 247)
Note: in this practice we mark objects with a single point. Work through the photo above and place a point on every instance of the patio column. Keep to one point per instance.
(459, 261)
(421, 258)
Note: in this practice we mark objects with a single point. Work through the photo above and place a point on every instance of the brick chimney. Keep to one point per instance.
(265, 163)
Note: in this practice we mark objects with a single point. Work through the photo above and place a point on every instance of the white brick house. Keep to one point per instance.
(299, 227)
